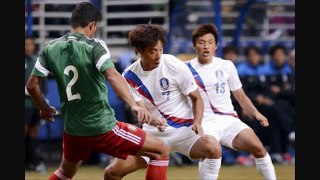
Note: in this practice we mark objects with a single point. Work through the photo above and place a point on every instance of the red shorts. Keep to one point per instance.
(123, 140)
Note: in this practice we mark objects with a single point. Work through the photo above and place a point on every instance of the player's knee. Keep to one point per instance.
(111, 173)
(214, 152)
(164, 150)
(258, 151)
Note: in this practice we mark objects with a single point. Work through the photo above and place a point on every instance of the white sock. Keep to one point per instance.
(209, 169)
(265, 167)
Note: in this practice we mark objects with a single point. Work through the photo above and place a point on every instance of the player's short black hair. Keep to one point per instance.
(274, 48)
(230, 48)
(83, 14)
(252, 48)
(146, 35)
(203, 30)
(28, 37)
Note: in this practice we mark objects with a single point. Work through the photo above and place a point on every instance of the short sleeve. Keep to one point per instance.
(234, 81)
(41, 66)
(101, 56)
(186, 81)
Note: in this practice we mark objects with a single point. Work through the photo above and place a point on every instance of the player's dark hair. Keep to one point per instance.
(203, 30)
(28, 37)
(252, 48)
(83, 14)
(274, 48)
(146, 35)
(230, 48)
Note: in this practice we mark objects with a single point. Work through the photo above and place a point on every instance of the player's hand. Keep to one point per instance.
(262, 119)
(160, 123)
(47, 114)
(197, 128)
(143, 115)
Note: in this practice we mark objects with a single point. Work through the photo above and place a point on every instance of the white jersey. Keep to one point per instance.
(164, 90)
(215, 81)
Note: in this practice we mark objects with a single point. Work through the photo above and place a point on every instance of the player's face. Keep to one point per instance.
(205, 47)
(29, 46)
(151, 55)
(279, 57)
(232, 56)
(253, 57)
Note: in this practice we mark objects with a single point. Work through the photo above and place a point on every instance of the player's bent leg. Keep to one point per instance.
(158, 152)
(66, 170)
(209, 151)
(248, 141)
(206, 148)
(120, 167)
(153, 148)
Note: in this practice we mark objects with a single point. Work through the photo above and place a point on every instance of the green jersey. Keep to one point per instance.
(78, 62)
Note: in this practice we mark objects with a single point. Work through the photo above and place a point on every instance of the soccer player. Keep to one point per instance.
(80, 65)
(216, 78)
(164, 85)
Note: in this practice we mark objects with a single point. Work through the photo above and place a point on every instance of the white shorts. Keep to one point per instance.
(178, 139)
(224, 128)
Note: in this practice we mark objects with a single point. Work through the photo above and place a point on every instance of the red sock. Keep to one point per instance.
(57, 175)
(157, 170)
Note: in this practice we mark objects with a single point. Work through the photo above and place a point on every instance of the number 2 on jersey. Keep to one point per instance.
(72, 82)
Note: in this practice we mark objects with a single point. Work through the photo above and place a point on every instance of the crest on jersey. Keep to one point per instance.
(164, 83)
(219, 74)
(132, 128)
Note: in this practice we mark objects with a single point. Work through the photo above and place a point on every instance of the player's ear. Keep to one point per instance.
(91, 24)
(138, 51)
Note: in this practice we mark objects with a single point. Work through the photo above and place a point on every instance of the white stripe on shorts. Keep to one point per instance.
(132, 135)
(126, 136)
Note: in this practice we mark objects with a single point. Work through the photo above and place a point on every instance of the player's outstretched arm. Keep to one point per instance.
(46, 111)
(197, 108)
(119, 85)
(160, 123)
(248, 106)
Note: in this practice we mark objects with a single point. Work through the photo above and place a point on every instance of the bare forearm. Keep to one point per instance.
(36, 95)
(197, 106)
(119, 85)
(197, 109)
(38, 99)
(247, 105)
